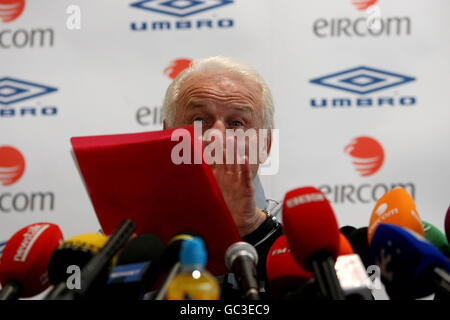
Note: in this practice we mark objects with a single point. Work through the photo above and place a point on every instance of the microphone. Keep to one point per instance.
(171, 254)
(359, 241)
(347, 230)
(170, 259)
(447, 224)
(24, 260)
(138, 268)
(193, 282)
(411, 267)
(395, 207)
(77, 250)
(289, 280)
(436, 237)
(284, 274)
(353, 277)
(97, 264)
(313, 236)
(241, 258)
(345, 248)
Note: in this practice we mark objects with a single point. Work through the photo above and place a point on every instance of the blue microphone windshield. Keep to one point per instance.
(405, 259)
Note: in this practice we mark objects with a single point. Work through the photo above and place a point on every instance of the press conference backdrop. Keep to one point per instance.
(360, 90)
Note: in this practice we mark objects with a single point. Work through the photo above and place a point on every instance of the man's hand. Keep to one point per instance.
(236, 183)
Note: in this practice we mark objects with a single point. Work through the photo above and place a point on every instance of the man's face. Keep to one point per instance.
(220, 101)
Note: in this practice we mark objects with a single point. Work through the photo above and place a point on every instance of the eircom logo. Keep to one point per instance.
(13, 37)
(10, 10)
(12, 168)
(367, 157)
(12, 165)
(363, 4)
(176, 66)
(367, 154)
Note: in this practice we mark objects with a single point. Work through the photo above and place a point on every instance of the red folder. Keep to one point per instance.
(133, 176)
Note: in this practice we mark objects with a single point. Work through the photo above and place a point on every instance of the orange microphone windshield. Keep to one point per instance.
(395, 207)
(344, 246)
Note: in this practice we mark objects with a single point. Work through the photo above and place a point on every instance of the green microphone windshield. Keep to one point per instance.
(436, 237)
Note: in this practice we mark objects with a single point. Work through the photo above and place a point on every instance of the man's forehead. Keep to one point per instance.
(222, 80)
(230, 91)
(199, 104)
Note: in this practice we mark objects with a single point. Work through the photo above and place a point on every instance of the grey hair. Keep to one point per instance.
(217, 63)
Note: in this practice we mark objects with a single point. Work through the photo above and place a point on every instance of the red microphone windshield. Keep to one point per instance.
(26, 256)
(309, 224)
(283, 272)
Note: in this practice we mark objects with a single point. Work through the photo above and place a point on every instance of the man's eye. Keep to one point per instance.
(236, 123)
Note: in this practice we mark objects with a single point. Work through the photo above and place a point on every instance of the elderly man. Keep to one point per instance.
(221, 93)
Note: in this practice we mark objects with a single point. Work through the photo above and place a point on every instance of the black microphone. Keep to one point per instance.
(138, 268)
(96, 265)
(241, 258)
(347, 230)
(360, 244)
(76, 251)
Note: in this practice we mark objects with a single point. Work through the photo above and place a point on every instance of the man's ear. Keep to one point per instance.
(164, 124)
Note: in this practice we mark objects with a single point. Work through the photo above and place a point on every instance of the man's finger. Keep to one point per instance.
(246, 173)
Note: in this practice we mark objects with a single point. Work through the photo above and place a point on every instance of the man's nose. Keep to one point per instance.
(219, 125)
